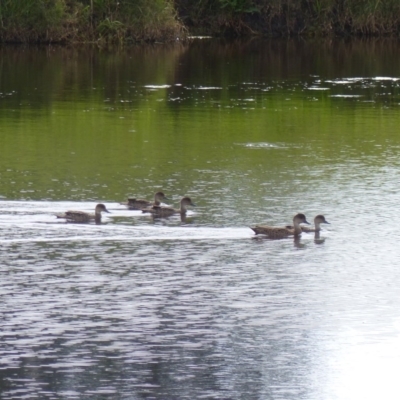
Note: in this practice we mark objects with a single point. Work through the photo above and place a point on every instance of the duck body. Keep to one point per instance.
(318, 220)
(137, 204)
(275, 232)
(140, 204)
(159, 211)
(84, 217)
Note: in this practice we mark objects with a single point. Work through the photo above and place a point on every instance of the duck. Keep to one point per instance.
(139, 204)
(81, 216)
(318, 220)
(275, 232)
(159, 211)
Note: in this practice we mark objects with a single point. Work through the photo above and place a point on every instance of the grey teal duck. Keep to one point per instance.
(159, 211)
(275, 232)
(81, 216)
(140, 204)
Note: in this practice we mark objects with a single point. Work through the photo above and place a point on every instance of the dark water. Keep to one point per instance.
(253, 132)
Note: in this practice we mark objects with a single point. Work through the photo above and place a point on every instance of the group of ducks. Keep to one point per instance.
(275, 232)
(155, 208)
(158, 211)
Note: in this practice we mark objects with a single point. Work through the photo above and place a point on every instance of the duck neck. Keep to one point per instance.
(297, 228)
(317, 226)
(157, 201)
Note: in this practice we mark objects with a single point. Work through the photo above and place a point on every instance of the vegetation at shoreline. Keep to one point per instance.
(105, 21)
(292, 17)
(66, 21)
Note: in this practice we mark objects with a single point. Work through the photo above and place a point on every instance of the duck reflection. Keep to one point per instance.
(297, 243)
(318, 239)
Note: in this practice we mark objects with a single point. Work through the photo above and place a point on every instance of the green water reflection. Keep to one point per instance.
(88, 124)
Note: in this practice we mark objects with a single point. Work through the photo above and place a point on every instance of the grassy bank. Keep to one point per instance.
(292, 17)
(88, 20)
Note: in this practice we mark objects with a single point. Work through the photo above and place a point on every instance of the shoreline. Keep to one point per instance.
(162, 21)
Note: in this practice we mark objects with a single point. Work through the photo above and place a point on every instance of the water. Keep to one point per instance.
(200, 308)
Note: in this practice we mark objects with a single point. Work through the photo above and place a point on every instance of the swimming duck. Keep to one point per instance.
(159, 211)
(275, 232)
(318, 220)
(81, 216)
(139, 204)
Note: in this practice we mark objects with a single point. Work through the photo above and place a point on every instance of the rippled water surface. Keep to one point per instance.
(200, 307)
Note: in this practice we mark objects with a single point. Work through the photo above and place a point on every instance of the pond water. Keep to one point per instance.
(253, 132)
